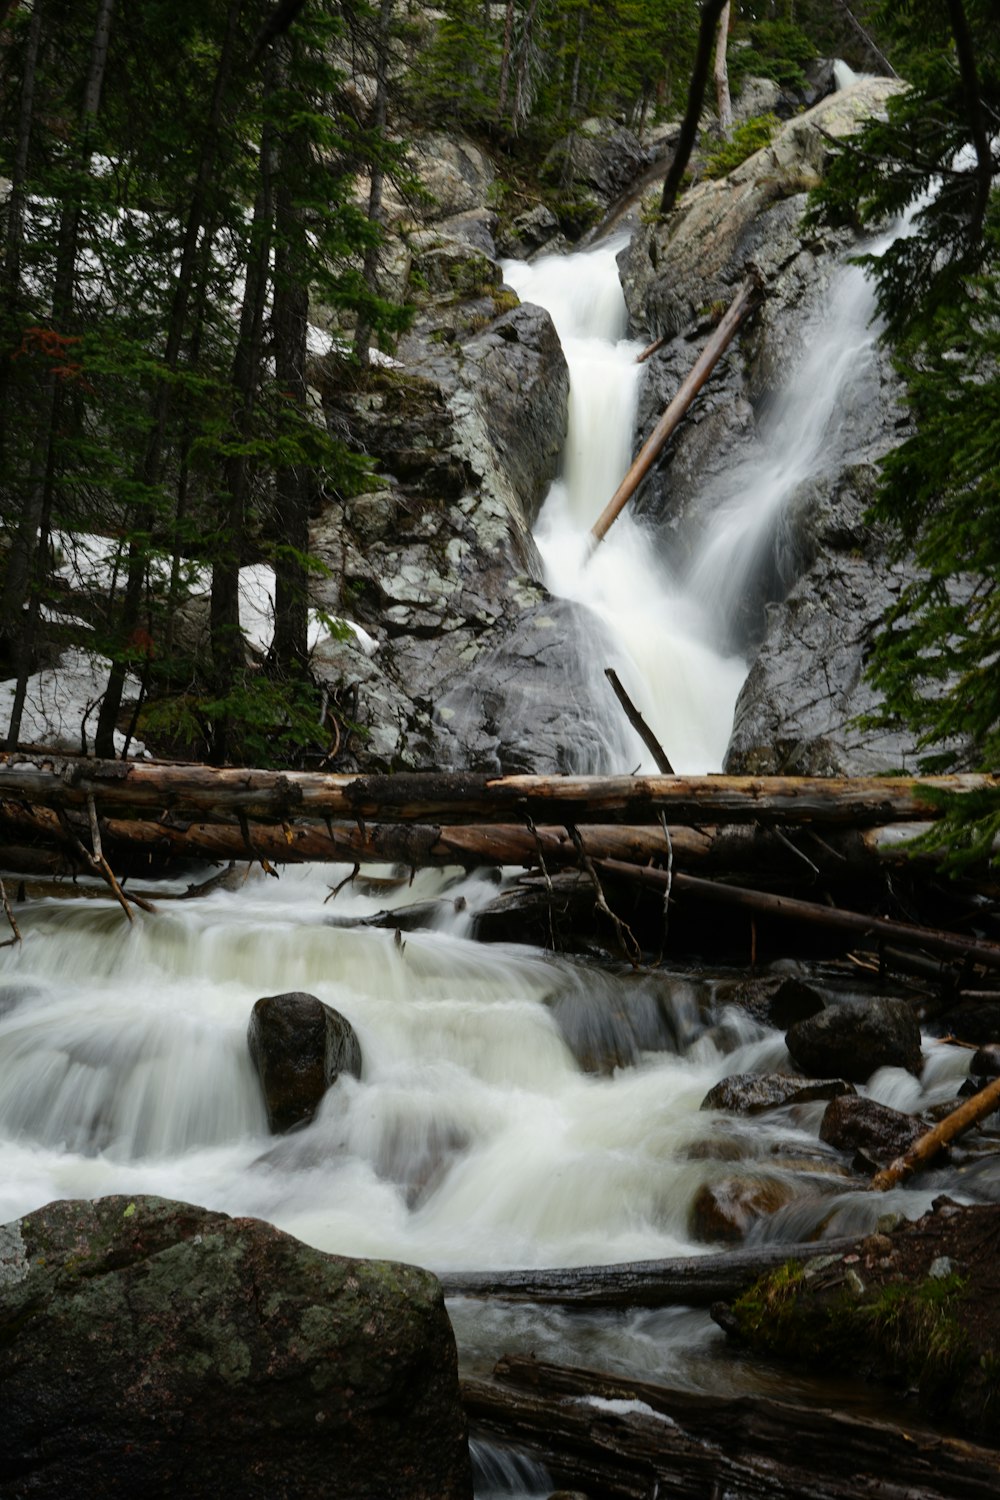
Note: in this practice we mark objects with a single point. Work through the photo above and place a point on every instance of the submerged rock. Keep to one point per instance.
(723, 1212)
(752, 1093)
(154, 1348)
(299, 1047)
(864, 1125)
(854, 1038)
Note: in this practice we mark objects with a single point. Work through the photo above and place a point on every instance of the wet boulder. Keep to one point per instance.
(879, 1133)
(299, 1047)
(154, 1348)
(723, 1212)
(752, 1093)
(855, 1038)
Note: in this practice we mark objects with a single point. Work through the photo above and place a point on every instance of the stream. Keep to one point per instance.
(474, 1138)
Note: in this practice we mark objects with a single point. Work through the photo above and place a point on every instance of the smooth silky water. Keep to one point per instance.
(474, 1139)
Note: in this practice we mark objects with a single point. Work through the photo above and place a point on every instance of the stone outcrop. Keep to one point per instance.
(153, 1348)
(590, 168)
(299, 1047)
(476, 664)
(806, 621)
(917, 1310)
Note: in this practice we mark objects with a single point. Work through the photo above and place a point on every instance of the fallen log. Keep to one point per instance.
(928, 1146)
(742, 304)
(632, 1440)
(685, 1280)
(790, 908)
(458, 797)
(34, 840)
(25, 830)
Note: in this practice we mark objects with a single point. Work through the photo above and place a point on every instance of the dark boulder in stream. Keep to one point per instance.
(299, 1047)
(154, 1348)
(855, 1038)
(864, 1125)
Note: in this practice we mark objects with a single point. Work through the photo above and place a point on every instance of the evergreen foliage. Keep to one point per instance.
(179, 192)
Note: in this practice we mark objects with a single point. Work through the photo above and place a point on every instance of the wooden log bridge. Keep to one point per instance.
(459, 797)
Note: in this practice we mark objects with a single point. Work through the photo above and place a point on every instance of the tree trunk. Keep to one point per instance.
(683, 1280)
(152, 465)
(505, 57)
(711, 10)
(362, 337)
(460, 797)
(724, 103)
(33, 538)
(742, 304)
(289, 653)
(924, 1150)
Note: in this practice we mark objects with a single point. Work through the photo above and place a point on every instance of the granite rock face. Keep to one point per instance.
(806, 615)
(154, 1348)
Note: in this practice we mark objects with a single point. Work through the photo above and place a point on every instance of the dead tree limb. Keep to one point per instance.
(740, 307)
(830, 917)
(626, 938)
(924, 1150)
(9, 914)
(639, 724)
(651, 349)
(458, 797)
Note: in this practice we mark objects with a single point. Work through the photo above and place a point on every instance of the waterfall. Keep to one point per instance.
(678, 625)
(474, 1137)
(682, 686)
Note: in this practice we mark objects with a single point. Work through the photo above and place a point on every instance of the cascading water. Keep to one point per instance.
(474, 1138)
(684, 688)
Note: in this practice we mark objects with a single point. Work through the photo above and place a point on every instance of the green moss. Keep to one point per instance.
(899, 1332)
(747, 138)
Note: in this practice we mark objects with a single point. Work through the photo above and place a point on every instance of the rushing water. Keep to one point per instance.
(474, 1137)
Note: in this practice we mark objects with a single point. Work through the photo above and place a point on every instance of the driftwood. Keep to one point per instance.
(926, 1148)
(35, 840)
(742, 304)
(457, 797)
(686, 1280)
(633, 1440)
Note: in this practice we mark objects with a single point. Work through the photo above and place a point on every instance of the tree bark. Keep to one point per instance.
(724, 103)
(924, 1150)
(742, 304)
(459, 797)
(632, 1440)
